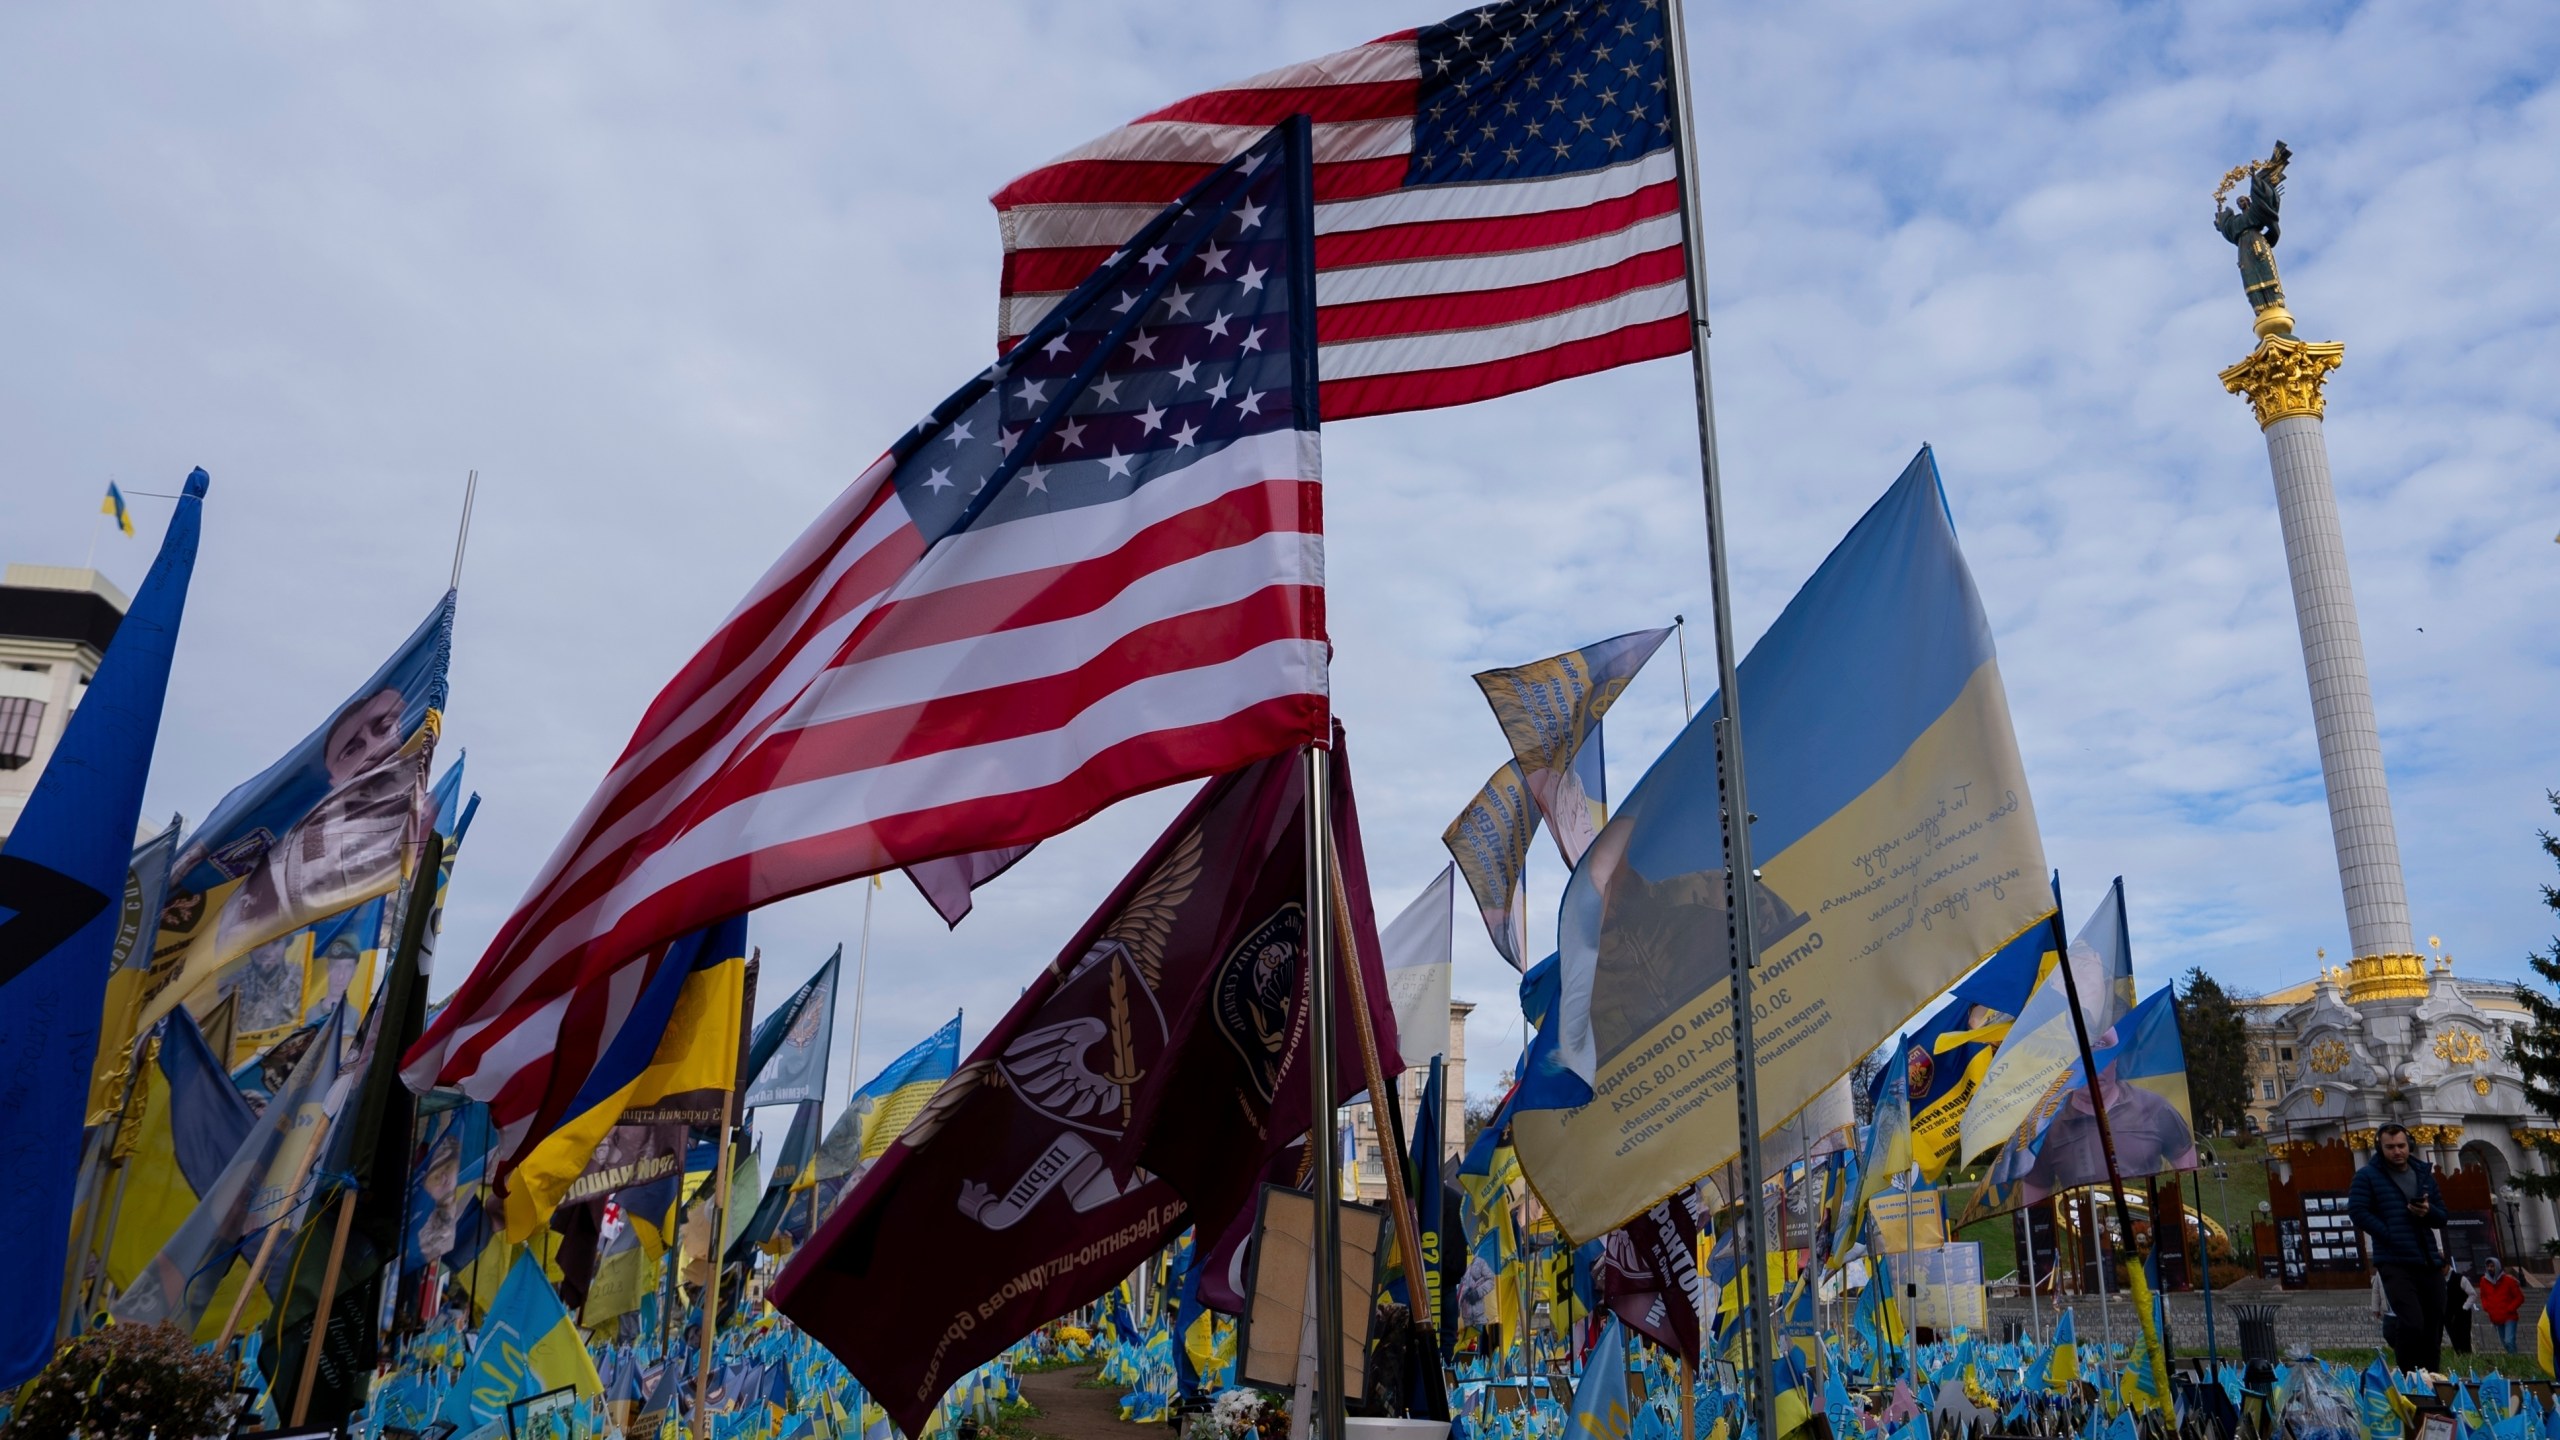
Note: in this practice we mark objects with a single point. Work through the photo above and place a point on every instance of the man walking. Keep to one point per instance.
(2396, 1203)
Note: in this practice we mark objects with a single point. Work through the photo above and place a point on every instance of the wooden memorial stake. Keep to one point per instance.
(320, 1317)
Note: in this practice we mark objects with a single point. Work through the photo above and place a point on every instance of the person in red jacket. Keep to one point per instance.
(2501, 1300)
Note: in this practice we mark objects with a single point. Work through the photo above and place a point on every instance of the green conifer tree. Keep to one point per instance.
(2537, 1046)
(2216, 1038)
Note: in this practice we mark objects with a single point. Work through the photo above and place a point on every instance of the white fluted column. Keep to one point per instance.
(2324, 603)
(2283, 380)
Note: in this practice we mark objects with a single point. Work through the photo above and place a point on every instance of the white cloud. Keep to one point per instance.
(669, 277)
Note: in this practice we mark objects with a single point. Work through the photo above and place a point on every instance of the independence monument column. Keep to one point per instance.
(2282, 379)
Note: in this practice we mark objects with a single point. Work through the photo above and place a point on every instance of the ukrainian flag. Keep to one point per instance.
(1945, 1059)
(529, 1344)
(2062, 1364)
(681, 1037)
(880, 1110)
(2544, 1327)
(1895, 846)
(187, 1122)
(114, 505)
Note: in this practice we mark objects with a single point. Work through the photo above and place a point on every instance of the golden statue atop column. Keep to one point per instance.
(2283, 379)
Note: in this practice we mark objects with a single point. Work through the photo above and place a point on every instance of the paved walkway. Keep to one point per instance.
(1068, 1412)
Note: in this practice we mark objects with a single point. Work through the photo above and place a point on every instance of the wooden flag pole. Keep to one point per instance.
(267, 1243)
(711, 1251)
(1399, 1205)
(320, 1317)
(718, 1242)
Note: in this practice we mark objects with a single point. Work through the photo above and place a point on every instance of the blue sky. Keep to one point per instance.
(669, 276)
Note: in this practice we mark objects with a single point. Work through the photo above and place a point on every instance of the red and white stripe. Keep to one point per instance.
(1428, 296)
(872, 704)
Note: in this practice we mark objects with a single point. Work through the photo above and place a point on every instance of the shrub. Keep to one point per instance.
(124, 1382)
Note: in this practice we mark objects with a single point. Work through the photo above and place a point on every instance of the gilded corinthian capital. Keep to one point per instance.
(2283, 376)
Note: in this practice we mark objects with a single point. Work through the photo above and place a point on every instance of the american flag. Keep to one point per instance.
(1097, 568)
(1497, 201)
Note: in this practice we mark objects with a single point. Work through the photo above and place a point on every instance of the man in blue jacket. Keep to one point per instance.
(2396, 1203)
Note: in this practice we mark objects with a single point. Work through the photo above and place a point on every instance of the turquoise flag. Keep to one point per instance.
(1600, 1409)
(63, 863)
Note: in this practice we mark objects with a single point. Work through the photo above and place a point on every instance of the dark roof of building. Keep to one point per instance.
(82, 616)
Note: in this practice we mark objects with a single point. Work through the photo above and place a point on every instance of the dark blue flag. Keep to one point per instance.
(62, 863)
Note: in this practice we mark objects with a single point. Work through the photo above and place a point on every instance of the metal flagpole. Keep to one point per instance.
(2027, 1229)
(1322, 1145)
(861, 979)
(462, 528)
(2204, 1266)
(1740, 877)
(1680, 638)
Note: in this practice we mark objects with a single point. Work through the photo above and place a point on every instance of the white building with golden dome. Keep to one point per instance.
(2400, 1038)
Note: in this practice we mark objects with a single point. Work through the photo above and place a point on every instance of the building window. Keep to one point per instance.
(20, 720)
(2285, 1053)
(2267, 1089)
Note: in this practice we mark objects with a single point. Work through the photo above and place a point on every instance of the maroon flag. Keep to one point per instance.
(1140, 1085)
(1647, 1274)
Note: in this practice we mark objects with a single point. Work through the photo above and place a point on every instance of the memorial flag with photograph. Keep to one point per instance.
(319, 832)
(2142, 1080)
(1945, 1059)
(2043, 1045)
(1896, 844)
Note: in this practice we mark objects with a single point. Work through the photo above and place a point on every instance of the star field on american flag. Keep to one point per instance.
(1497, 201)
(1540, 87)
(1177, 346)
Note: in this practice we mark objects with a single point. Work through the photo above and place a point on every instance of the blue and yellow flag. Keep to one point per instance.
(2043, 1044)
(1944, 1060)
(1896, 847)
(2545, 1326)
(2061, 1368)
(881, 1109)
(323, 829)
(528, 1344)
(680, 1039)
(1489, 840)
(1422, 1181)
(1602, 1407)
(187, 1121)
(2142, 1076)
(114, 505)
(1886, 1162)
(1550, 712)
